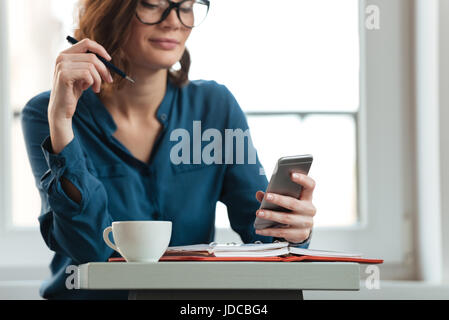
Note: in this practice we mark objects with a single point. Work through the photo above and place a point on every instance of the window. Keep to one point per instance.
(31, 74)
(300, 117)
(294, 69)
(312, 71)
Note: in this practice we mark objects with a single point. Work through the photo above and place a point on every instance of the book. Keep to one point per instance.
(258, 250)
(233, 248)
(269, 252)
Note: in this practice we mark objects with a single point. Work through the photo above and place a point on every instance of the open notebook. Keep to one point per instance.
(256, 250)
(277, 251)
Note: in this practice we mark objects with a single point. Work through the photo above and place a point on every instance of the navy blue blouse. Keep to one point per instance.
(115, 186)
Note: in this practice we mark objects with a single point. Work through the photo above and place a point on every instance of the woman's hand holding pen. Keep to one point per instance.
(75, 71)
(299, 221)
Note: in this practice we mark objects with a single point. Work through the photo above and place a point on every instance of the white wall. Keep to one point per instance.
(444, 133)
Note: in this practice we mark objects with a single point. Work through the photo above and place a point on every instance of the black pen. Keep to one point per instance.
(106, 62)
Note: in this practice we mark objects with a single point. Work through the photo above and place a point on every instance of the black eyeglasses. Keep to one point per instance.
(191, 13)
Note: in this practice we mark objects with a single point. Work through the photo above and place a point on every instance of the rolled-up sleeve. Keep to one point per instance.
(70, 165)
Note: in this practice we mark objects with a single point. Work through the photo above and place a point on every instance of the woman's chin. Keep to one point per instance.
(162, 60)
(155, 66)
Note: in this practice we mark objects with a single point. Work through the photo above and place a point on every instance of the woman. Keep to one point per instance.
(100, 146)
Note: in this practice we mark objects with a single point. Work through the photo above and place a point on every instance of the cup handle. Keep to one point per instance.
(106, 233)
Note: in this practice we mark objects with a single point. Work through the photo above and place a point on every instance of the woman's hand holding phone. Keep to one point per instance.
(299, 221)
(75, 71)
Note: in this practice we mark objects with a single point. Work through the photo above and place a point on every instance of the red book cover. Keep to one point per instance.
(289, 258)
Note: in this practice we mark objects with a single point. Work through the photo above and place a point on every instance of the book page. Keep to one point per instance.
(263, 253)
(246, 248)
(195, 247)
(250, 247)
(322, 253)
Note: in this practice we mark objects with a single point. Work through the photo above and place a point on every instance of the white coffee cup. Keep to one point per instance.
(139, 241)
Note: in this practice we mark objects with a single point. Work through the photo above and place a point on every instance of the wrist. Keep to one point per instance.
(58, 117)
(61, 134)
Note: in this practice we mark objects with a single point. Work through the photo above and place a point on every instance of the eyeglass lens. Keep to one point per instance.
(191, 12)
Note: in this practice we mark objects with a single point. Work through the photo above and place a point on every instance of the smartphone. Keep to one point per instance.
(281, 183)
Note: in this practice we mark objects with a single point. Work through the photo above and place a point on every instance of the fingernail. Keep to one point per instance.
(269, 196)
(261, 213)
(296, 175)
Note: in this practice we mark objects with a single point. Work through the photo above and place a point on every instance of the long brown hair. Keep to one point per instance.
(108, 22)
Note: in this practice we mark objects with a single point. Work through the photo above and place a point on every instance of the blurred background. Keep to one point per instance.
(314, 77)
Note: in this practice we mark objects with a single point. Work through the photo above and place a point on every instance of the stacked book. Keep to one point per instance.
(268, 252)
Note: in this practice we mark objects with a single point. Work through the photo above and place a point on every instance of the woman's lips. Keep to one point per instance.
(166, 44)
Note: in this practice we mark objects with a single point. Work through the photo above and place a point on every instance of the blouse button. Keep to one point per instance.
(60, 163)
(163, 117)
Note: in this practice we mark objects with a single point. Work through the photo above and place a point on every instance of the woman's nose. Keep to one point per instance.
(172, 19)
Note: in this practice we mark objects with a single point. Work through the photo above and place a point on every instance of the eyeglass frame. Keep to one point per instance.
(173, 5)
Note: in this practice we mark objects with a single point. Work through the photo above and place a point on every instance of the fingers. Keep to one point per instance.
(303, 206)
(71, 72)
(87, 58)
(260, 195)
(83, 76)
(94, 69)
(75, 58)
(290, 219)
(93, 59)
(88, 45)
(307, 183)
(299, 222)
(96, 86)
(290, 234)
